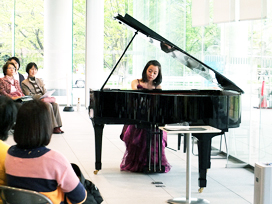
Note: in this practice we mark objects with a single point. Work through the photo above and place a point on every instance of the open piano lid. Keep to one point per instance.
(182, 56)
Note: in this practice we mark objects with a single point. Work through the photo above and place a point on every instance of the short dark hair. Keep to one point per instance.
(8, 112)
(158, 79)
(33, 125)
(16, 59)
(30, 65)
(5, 67)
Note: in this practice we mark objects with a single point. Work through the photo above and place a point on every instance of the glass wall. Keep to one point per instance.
(78, 77)
(6, 30)
(21, 30)
(168, 18)
(22, 35)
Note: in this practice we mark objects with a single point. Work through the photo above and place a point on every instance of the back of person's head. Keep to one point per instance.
(33, 125)
(30, 65)
(5, 67)
(16, 59)
(8, 112)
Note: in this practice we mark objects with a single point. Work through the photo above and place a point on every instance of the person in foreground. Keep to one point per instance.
(8, 114)
(31, 165)
(8, 85)
(35, 87)
(136, 157)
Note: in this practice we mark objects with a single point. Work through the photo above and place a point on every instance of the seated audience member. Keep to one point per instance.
(8, 113)
(8, 85)
(35, 87)
(19, 77)
(31, 165)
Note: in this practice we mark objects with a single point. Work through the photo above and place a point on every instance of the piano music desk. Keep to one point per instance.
(188, 130)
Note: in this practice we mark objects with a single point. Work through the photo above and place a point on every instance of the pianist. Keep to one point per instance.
(135, 158)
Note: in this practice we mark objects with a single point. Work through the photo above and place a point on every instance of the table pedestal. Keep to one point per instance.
(188, 198)
(192, 201)
(188, 134)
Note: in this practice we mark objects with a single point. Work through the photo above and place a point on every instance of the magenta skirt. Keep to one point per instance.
(136, 155)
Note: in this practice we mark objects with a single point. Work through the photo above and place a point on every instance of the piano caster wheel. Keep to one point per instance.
(95, 172)
(200, 190)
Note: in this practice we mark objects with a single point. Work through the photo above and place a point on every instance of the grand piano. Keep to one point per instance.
(219, 108)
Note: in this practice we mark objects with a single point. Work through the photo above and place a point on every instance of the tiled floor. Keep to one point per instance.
(225, 185)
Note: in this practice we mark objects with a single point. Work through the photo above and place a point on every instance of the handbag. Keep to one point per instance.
(93, 193)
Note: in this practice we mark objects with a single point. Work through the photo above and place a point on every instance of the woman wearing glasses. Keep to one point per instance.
(9, 86)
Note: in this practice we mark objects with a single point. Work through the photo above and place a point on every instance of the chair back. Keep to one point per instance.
(12, 195)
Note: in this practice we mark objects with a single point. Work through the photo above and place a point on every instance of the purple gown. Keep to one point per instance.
(136, 155)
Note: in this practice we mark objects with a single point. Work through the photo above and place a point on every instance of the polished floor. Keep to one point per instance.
(225, 185)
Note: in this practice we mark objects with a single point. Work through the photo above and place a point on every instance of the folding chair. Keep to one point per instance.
(12, 195)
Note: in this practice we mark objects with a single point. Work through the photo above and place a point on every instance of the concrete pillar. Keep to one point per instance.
(57, 72)
(94, 77)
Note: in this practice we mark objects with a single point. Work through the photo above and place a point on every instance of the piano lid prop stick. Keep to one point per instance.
(119, 60)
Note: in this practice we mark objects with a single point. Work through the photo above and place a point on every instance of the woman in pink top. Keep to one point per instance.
(8, 85)
(31, 165)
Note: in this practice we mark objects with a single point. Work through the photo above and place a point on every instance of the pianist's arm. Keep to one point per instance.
(134, 84)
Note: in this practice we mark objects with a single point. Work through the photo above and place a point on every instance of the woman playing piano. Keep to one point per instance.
(135, 158)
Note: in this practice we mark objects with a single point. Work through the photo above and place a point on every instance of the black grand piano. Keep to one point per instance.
(218, 108)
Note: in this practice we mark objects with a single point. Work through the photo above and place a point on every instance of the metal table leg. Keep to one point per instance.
(188, 198)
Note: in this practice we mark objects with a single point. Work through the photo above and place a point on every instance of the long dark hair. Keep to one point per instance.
(158, 79)
(8, 112)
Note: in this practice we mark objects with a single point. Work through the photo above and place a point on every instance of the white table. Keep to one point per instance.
(188, 133)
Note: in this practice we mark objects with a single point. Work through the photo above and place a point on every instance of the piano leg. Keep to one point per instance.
(204, 157)
(204, 154)
(98, 132)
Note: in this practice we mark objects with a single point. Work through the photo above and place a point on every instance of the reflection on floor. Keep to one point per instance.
(225, 185)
